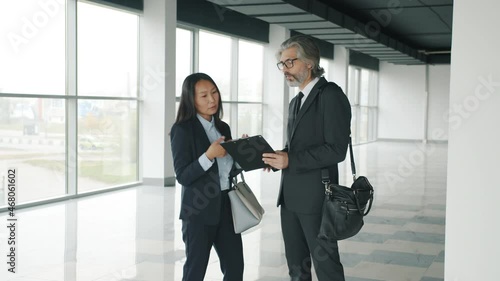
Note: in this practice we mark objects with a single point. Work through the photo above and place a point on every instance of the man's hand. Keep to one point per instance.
(278, 160)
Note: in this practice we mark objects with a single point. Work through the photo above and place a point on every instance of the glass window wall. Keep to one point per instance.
(37, 135)
(363, 96)
(236, 65)
(32, 47)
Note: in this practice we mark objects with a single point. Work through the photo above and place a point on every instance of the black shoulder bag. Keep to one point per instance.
(344, 207)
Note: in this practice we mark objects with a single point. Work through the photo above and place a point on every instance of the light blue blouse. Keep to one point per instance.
(225, 163)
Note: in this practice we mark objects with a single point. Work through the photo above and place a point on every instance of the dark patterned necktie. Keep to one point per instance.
(297, 106)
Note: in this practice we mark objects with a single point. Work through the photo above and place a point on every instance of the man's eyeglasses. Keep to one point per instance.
(288, 63)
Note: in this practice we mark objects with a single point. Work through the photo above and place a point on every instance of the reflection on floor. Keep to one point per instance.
(134, 234)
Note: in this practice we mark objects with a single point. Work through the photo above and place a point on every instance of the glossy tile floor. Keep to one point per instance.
(134, 234)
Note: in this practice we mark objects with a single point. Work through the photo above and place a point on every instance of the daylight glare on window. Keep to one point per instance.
(32, 55)
(107, 52)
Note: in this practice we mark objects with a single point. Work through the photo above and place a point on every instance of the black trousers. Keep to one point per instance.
(299, 234)
(200, 238)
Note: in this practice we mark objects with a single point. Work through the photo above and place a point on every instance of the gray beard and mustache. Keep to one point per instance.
(298, 79)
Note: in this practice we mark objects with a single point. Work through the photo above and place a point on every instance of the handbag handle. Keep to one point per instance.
(356, 192)
(233, 174)
(234, 179)
(359, 207)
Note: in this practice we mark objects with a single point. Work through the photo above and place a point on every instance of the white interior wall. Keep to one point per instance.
(401, 102)
(439, 100)
(472, 223)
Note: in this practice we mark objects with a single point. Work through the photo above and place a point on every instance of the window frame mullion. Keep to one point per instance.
(71, 103)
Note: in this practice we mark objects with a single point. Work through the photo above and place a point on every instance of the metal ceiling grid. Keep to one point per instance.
(318, 20)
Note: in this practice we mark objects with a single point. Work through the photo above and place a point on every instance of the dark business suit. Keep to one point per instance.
(205, 210)
(315, 141)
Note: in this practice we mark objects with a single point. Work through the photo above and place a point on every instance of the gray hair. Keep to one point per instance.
(307, 50)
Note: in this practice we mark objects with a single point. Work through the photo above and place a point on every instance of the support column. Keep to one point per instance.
(472, 223)
(340, 69)
(276, 92)
(157, 84)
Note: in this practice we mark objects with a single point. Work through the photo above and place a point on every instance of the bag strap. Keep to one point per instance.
(369, 205)
(233, 174)
(325, 175)
(234, 179)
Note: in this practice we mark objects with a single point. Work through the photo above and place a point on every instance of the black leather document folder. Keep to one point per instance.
(248, 151)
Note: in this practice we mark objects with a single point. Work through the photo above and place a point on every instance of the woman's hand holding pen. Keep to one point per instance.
(216, 150)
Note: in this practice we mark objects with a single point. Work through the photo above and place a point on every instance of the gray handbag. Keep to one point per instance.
(246, 209)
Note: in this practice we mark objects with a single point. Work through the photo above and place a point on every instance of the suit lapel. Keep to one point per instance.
(307, 103)
(199, 133)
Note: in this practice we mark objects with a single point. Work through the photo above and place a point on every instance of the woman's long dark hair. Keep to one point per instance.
(187, 109)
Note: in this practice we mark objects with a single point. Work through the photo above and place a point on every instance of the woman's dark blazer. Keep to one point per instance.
(201, 195)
